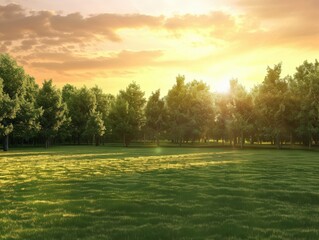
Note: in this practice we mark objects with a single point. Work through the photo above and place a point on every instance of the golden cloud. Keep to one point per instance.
(16, 23)
(51, 42)
(124, 59)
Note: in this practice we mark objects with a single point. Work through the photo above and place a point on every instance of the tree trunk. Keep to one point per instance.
(78, 139)
(46, 142)
(97, 140)
(235, 142)
(6, 143)
(291, 140)
(157, 140)
(242, 139)
(278, 141)
(310, 142)
(125, 141)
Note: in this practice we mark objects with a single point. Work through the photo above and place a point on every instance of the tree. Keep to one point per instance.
(190, 110)
(126, 114)
(66, 131)
(240, 107)
(54, 110)
(95, 127)
(13, 89)
(219, 130)
(27, 121)
(68, 91)
(88, 110)
(292, 110)
(306, 90)
(257, 122)
(7, 111)
(103, 106)
(155, 114)
(81, 104)
(200, 110)
(270, 102)
(176, 101)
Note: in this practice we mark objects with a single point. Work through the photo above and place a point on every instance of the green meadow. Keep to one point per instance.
(158, 193)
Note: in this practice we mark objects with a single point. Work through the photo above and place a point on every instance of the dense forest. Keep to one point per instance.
(280, 110)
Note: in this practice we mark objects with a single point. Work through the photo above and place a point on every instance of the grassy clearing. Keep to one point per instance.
(158, 193)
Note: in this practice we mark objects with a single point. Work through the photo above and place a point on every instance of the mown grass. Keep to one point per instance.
(158, 193)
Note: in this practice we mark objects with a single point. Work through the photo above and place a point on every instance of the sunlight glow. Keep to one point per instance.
(221, 86)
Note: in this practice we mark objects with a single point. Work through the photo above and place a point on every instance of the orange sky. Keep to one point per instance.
(112, 43)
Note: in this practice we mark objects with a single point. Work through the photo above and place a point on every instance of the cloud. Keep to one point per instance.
(285, 22)
(277, 22)
(122, 60)
(57, 42)
(190, 21)
(16, 23)
(27, 44)
(11, 11)
(53, 28)
(107, 44)
(273, 9)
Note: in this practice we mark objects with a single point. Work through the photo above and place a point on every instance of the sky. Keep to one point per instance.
(111, 43)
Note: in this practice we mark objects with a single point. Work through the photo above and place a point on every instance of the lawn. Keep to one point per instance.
(158, 193)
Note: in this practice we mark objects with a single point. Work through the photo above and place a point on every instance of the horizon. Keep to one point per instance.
(112, 45)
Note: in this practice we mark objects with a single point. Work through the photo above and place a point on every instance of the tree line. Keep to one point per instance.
(278, 110)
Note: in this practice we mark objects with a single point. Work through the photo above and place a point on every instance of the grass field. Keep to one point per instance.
(158, 193)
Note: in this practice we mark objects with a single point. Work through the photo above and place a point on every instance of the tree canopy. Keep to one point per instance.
(281, 109)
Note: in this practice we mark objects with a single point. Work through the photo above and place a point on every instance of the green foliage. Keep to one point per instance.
(219, 129)
(155, 115)
(241, 112)
(306, 89)
(103, 102)
(200, 110)
(270, 103)
(279, 110)
(177, 110)
(54, 110)
(190, 110)
(103, 107)
(7, 111)
(17, 100)
(126, 114)
(27, 121)
(88, 111)
(12, 86)
(81, 104)
(13, 77)
(95, 126)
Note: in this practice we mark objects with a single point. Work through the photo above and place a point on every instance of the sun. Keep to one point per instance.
(221, 86)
